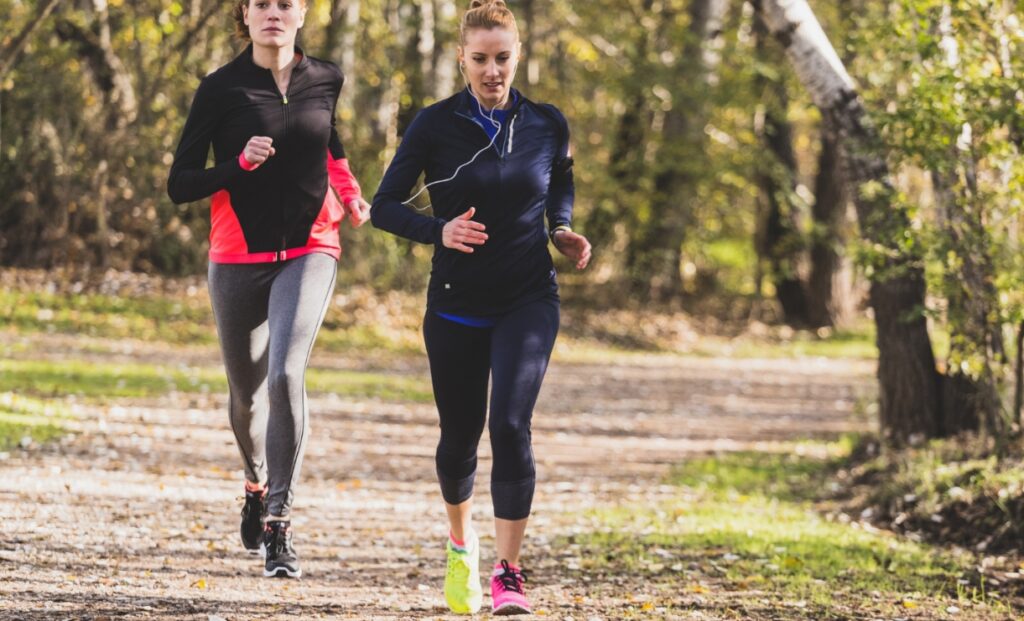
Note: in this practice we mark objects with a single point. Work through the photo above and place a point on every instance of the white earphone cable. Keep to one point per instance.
(494, 123)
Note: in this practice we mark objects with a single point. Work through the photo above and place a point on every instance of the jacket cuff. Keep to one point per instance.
(342, 179)
(244, 163)
(439, 231)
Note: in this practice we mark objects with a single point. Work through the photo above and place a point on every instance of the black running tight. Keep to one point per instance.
(513, 355)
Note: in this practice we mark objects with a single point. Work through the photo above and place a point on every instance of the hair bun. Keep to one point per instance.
(476, 4)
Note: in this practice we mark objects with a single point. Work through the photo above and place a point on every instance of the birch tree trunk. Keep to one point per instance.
(909, 404)
(445, 60)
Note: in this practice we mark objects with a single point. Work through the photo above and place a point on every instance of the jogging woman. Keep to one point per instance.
(496, 165)
(274, 245)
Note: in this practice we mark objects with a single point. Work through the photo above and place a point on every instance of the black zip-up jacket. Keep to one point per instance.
(282, 208)
(524, 177)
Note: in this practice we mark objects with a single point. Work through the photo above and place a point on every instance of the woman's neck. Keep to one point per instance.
(277, 59)
(485, 108)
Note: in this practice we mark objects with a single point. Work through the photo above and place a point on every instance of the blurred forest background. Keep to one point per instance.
(710, 166)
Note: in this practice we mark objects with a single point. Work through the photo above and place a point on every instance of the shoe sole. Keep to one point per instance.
(511, 609)
(471, 610)
(260, 551)
(282, 572)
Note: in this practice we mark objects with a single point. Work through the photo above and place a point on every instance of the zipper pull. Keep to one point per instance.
(511, 133)
(284, 99)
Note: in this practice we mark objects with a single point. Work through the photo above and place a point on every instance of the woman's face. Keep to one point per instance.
(275, 23)
(489, 58)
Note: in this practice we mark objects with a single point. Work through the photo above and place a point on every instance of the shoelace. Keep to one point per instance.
(281, 543)
(511, 579)
(253, 502)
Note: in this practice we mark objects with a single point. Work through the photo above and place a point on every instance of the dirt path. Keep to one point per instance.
(135, 515)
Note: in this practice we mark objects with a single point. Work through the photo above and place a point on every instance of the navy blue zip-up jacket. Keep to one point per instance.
(523, 178)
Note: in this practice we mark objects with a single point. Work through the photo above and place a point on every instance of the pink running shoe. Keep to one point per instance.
(507, 596)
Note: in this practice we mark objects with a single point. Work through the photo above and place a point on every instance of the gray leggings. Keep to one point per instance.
(268, 315)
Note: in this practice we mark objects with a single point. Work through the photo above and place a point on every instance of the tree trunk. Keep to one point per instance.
(825, 300)
(388, 108)
(908, 382)
(626, 163)
(445, 62)
(654, 263)
(780, 243)
(975, 332)
(341, 41)
(1018, 391)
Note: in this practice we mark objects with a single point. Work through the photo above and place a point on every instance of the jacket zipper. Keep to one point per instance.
(282, 254)
(475, 122)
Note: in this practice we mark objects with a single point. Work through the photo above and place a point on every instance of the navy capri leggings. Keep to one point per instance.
(513, 355)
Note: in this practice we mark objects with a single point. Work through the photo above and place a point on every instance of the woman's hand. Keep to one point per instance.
(358, 210)
(257, 150)
(574, 246)
(462, 231)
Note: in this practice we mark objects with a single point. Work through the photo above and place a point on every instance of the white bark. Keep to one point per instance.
(348, 50)
(793, 23)
(908, 382)
(445, 59)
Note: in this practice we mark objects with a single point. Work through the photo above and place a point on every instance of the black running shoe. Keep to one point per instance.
(253, 512)
(282, 561)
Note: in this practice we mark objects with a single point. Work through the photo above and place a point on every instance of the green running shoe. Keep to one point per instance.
(462, 588)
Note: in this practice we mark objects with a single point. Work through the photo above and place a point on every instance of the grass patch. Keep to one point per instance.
(50, 379)
(789, 476)
(180, 320)
(184, 321)
(382, 325)
(744, 522)
(856, 342)
(22, 417)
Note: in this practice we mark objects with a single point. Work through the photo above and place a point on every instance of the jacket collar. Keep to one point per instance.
(247, 60)
(465, 103)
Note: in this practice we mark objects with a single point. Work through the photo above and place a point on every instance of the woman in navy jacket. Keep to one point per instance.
(497, 166)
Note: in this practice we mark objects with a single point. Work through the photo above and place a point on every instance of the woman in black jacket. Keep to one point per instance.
(274, 245)
(496, 165)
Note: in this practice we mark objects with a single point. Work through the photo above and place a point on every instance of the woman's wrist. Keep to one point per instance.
(557, 229)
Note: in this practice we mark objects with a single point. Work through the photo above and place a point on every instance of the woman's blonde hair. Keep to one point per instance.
(487, 14)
